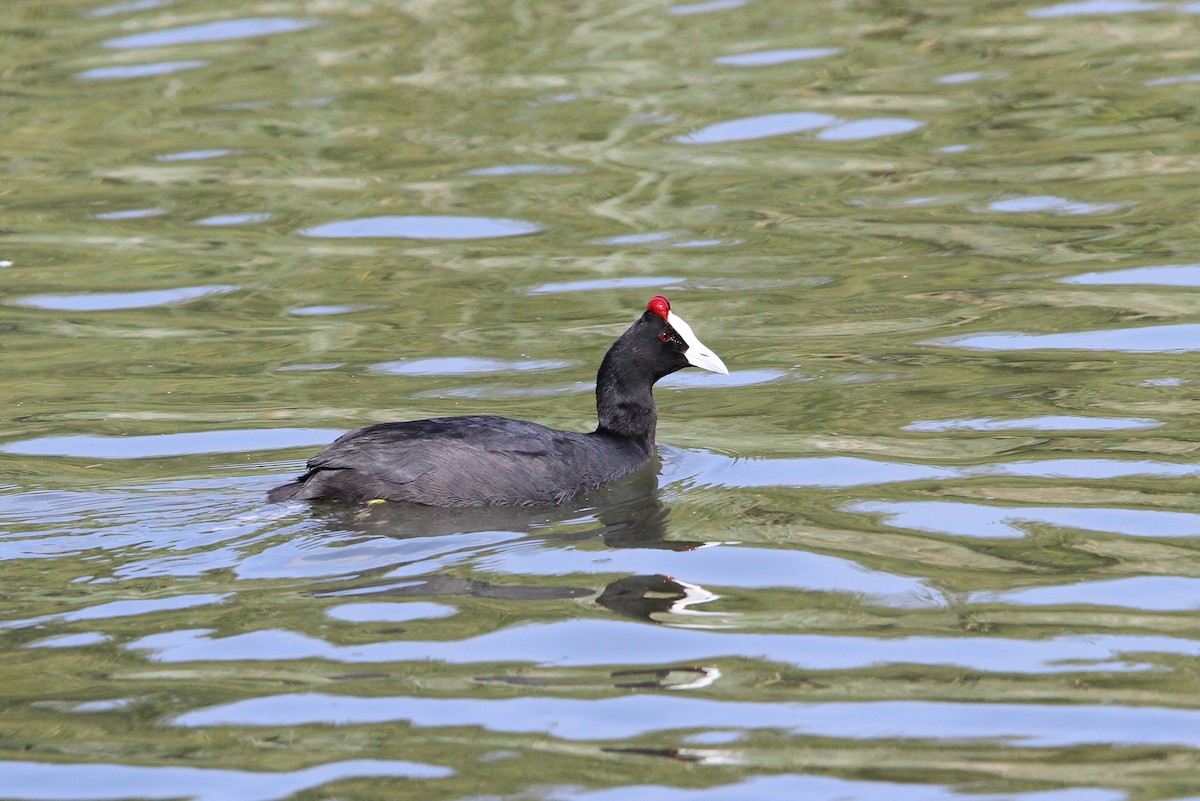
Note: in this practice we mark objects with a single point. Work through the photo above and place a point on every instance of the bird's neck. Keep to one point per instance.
(624, 403)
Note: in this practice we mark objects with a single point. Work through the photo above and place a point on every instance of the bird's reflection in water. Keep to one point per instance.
(644, 597)
(625, 514)
(628, 511)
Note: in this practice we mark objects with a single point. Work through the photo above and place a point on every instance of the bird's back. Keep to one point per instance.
(463, 461)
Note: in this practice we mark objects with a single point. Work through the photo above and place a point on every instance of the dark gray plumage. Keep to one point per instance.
(496, 461)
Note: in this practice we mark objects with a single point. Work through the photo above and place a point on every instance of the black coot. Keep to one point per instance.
(495, 461)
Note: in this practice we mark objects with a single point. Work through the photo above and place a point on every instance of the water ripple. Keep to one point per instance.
(979, 520)
(423, 227)
(129, 608)
(1174, 80)
(647, 238)
(139, 70)
(1051, 204)
(1178, 338)
(767, 58)
(111, 301)
(127, 6)
(81, 640)
(1146, 593)
(130, 214)
(37, 781)
(869, 129)
(304, 557)
(235, 219)
(760, 127)
(713, 469)
(197, 155)
(1045, 423)
(580, 643)
(716, 470)
(1158, 275)
(155, 445)
(706, 380)
(1091, 7)
(632, 716)
(605, 284)
(524, 169)
(704, 8)
(464, 365)
(800, 786)
(962, 77)
(829, 127)
(723, 565)
(390, 612)
(221, 31)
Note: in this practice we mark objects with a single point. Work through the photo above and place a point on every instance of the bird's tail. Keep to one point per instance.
(287, 492)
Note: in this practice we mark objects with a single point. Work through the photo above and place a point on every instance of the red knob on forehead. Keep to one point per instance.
(659, 305)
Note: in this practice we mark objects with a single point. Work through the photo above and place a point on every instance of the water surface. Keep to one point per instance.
(935, 537)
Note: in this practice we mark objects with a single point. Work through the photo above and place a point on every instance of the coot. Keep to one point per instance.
(495, 461)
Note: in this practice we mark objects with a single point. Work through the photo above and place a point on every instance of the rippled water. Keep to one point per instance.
(934, 537)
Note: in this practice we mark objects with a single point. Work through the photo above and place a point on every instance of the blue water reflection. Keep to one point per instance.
(1157, 275)
(737, 378)
(648, 238)
(1147, 593)
(122, 609)
(156, 445)
(139, 70)
(1044, 423)
(713, 469)
(627, 717)
(1051, 204)
(869, 129)
(1174, 80)
(235, 219)
(1091, 7)
(759, 127)
(829, 128)
(35, 781)
(793, 787)
(768, 58)
(705, 243)
(970, 76)
(465, 365)
(318, 557)
(130, 214)
(110, 301)
(981, 520)
(220, 31)
(705, 7)
(127, 6)
(722, 565)
(134, 522)
(1178, 338)
(71, 640)
(601, 642)
(525, 169)
(327, 311)
(596, 284)
(388, 612)
(423, 227)
(197, 155)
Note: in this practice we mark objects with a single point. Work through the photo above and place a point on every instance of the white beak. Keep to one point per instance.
(697, 354)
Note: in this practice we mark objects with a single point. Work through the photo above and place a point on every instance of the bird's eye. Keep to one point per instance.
(665, 337)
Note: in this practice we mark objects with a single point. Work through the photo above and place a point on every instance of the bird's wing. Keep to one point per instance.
(403, 452)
